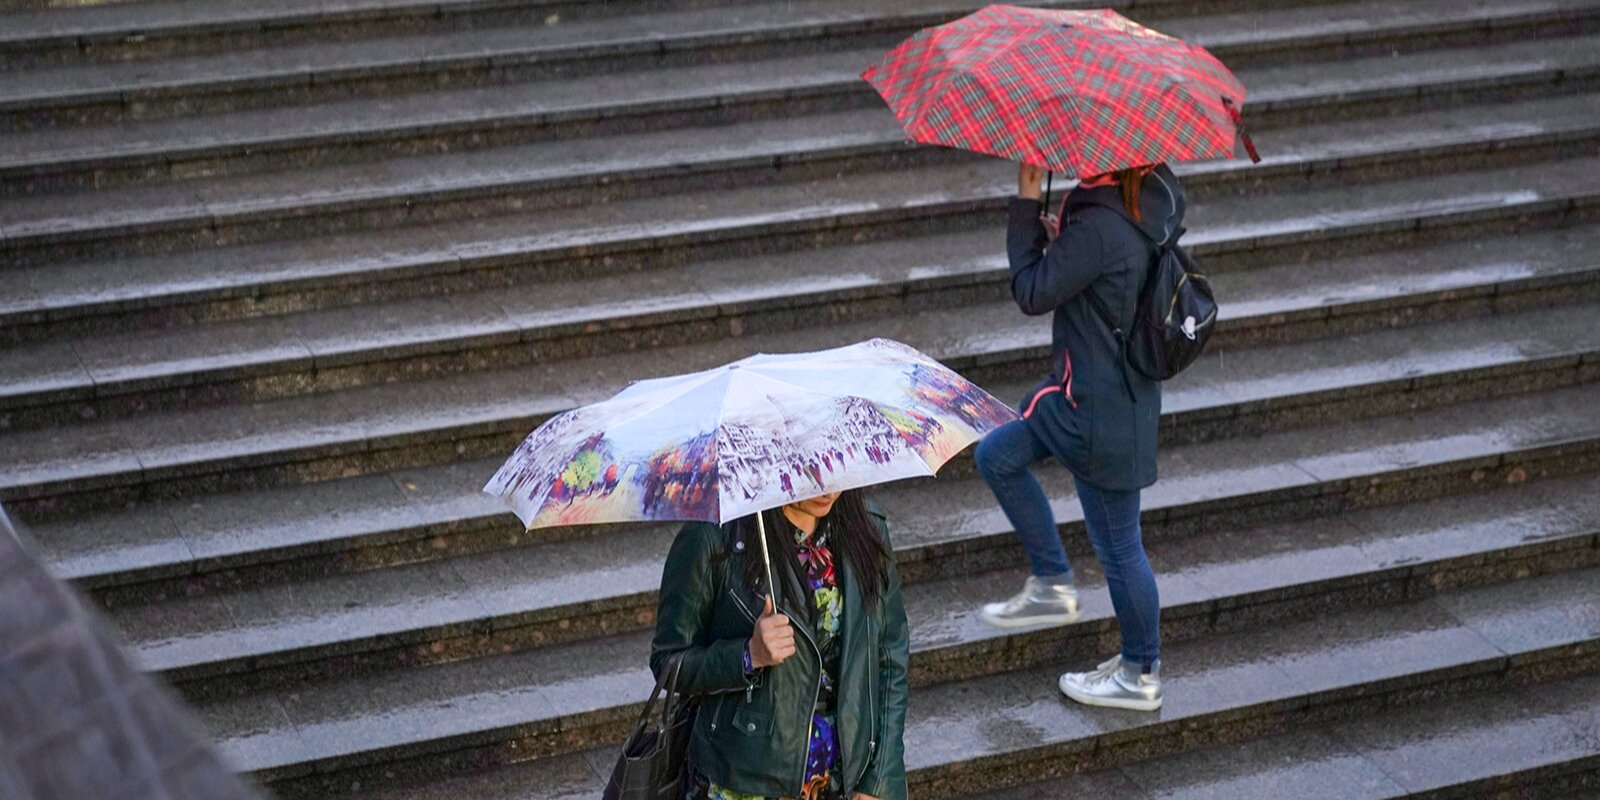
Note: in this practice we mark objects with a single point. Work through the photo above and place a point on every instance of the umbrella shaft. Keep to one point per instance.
(766, 558)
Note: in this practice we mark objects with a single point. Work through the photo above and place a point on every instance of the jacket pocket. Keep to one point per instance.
(752, 721)
(1066, 378)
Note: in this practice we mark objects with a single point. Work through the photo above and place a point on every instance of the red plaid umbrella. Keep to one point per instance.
(1077, 92)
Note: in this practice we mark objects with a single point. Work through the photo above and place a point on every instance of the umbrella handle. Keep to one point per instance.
(1049, 178)
(766, 558)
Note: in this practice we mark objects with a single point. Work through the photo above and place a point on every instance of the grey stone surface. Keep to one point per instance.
(553, 581)
(245, 432)
(1459, 526)
(240, 527)
(567, 777)
(1387, 644)
(1576, 701)
(43, 369)
(1562, 610)
(1302, 765)
(420, 326)
(309, 613)
(339, 186)
(359, 618)
(1262, 559)
(1454, 744)
(1470, 744)
(834, 71)
(498, 401)
(559, 575)
(94, 454)
(138, 541)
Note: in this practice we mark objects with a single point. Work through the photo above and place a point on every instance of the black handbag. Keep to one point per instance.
(655, 761)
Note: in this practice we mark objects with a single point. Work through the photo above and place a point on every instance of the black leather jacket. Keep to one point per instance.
(751, 735)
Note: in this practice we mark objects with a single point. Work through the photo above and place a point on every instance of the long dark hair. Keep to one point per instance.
(852, 536)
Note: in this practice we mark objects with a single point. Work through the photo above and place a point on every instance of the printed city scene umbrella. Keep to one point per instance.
(1077, 92)
(746, 437)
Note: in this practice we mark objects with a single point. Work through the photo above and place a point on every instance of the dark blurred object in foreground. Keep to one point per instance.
(77, 720)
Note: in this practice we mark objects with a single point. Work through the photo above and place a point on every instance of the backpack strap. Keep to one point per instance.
(1110, 319)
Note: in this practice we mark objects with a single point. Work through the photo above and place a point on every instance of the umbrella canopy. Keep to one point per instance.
(755, 434)
(1077, 92)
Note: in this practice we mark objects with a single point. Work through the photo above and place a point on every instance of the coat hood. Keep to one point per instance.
(1161, 203)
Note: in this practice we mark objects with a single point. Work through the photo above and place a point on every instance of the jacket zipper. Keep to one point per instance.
(872, 706)
(749, 681)
(811, 712)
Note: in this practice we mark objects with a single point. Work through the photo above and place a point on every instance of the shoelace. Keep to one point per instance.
(1104, 671)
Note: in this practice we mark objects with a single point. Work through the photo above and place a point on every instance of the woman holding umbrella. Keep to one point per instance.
(780, 610)
(806, 699)
(1092, 413)
(1094, 95)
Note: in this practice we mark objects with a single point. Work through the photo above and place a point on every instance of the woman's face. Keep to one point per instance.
(818, 506)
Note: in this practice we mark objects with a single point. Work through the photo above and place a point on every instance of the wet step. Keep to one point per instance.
(1530, 741)
(256, 280)
(723, 93)
(1223, 682)
(66, 380)
(164, 30)
(430, 512)
(483, 602)
(1365, 667)
(253, 78)
(401, 424)
(1539, 740)
(440, 188)
(124, 31)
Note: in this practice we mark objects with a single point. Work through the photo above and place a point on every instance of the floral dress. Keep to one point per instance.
(822, 762)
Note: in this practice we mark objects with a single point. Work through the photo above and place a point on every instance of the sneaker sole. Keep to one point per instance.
(1126, 704)
(1030, 622)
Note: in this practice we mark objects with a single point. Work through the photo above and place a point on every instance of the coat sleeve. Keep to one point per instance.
(1045, 274)
(689, 589)
(886, 777)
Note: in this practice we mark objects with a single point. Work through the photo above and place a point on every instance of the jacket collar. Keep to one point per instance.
(1161, 203)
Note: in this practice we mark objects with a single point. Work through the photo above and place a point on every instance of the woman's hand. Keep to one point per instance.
(773, 639)
(1029, 179)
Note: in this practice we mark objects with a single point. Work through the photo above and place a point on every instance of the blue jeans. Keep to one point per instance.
(1005, 458)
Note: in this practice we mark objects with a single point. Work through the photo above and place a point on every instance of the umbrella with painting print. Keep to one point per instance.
(749, 436)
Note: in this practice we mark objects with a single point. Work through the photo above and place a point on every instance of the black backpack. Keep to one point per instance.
(1172, 320)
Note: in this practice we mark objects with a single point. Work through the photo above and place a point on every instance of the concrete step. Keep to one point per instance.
(67, 380)
(313, 72)
(454, 121)
(305, 629)
(444, 188)
(221, 542)
(39, 33)
(56, 301)
(1429, 751)
(1227, 679)
(401, 424)
(1536, 741)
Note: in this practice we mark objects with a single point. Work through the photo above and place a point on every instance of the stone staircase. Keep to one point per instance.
(284, 282)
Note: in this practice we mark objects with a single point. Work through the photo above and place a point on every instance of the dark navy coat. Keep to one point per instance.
(1083, 411)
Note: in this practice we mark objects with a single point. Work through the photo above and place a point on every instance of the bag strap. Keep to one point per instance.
(668, 682)
(1109, 319)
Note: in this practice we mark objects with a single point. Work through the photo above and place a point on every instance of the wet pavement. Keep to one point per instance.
(257, 376)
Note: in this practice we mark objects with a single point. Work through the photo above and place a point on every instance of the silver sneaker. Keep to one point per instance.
(1116, 685)
(1038, 603)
